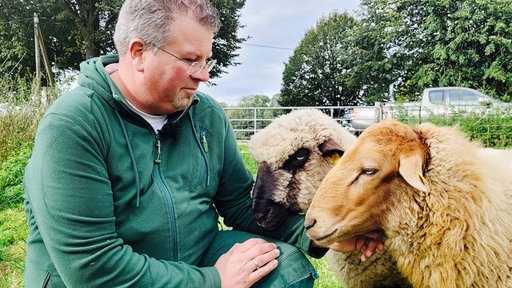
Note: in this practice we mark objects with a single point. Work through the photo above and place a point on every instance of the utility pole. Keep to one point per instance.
(41, 50)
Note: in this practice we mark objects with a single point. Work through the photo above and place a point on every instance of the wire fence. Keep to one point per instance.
(246, 121)
(492, 129)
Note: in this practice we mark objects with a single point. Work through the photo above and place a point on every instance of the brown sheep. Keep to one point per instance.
(443, 202)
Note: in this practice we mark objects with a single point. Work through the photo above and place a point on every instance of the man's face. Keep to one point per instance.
(168, 87)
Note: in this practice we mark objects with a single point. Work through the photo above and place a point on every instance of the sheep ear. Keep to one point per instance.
(329, 148)
(411, 168)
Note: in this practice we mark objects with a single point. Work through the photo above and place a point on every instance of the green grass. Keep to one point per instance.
(13, 231)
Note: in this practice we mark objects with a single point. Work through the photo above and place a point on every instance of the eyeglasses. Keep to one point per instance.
(195, 67)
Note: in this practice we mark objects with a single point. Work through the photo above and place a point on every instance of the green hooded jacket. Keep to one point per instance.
(111, 203)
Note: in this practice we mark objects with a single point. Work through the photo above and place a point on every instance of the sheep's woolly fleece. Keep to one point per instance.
(304, 128)
(450, 227)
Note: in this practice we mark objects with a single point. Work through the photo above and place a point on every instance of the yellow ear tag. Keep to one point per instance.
(335, 157)
(423, 180)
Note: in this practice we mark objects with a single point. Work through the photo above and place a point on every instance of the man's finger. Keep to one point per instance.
(371, 245)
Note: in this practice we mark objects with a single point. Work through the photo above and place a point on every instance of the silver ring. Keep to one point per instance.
(255, 263)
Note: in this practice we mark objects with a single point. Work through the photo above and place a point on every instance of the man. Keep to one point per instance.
(131, 170)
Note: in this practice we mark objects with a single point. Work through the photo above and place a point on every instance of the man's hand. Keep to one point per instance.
(246, 263)
(366, 243)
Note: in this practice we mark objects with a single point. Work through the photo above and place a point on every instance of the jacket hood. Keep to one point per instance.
(94, 76)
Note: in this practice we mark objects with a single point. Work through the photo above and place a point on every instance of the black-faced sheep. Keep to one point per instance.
(443, 202)
(294, 153)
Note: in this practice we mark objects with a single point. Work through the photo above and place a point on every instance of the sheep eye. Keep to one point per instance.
(300, 155)
(297, 159)
(369, 171)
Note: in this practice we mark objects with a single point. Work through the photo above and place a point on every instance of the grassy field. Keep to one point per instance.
(13, 231)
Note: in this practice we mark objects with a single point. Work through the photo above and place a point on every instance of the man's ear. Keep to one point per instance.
(136, 50)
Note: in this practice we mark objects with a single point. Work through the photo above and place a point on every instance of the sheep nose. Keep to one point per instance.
(309, 223)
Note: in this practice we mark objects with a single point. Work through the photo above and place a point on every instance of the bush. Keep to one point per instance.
(492, 129)
(18, 122)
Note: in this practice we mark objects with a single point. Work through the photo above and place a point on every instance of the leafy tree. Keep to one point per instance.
(371, 71)
(334, 65)
(314, 74)
(255, 101)
(94, 21)
(75, 30)
(226, 42)
(17, 38)
(443, 43)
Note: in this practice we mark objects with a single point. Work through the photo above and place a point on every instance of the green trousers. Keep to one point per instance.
(294, 269)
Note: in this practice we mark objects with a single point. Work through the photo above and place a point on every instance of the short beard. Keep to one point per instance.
(181, 103)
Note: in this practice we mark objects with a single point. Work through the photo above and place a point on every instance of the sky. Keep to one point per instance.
(275, 28)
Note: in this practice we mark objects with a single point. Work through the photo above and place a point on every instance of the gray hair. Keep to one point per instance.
(151, 20)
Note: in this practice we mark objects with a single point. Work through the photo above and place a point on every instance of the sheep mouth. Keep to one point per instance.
(338, 235)
(324, 239)
(269, 215)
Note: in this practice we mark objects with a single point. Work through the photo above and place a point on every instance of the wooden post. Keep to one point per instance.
(41, 50)
(37, 87)
(47, 66)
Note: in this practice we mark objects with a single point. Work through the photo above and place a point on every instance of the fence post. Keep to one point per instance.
(254, 121)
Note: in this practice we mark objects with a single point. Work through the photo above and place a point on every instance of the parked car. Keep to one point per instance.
(434, 101)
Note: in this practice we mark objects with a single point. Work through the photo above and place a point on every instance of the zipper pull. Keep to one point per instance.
(158, 146)
(203, 140)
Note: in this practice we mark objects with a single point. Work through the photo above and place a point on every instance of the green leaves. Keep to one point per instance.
(410, 44)
(331, 66)
(442, 43)
(76, 30)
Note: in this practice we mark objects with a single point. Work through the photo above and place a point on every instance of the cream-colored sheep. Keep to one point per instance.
(443, 201)
(294, 153)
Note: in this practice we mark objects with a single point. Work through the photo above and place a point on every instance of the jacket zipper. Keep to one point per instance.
(158, 144)
(157, 174)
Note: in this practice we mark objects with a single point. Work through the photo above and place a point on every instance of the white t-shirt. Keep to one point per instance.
(156, 121)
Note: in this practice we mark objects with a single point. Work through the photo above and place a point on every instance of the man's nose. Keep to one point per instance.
(203, 75)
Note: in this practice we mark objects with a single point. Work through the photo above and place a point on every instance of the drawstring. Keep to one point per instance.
(130, 151)
(132, 157)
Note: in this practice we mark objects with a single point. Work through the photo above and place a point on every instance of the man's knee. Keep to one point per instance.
(294, 269)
